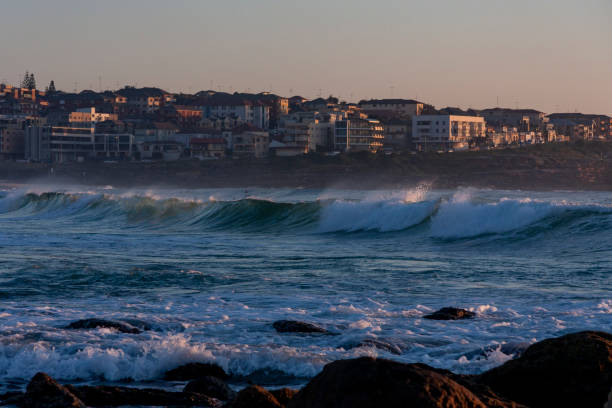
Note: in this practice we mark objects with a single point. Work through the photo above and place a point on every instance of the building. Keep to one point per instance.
(447, 132)
(398, 134)
(207, 148)
(188, 117)
(392, 107)
(524, 119)
(304, 132)
(166, 150)
(579, 125)
(62, 144)
(247, 141)
(358, 133)
(251, 112)
(90, 116)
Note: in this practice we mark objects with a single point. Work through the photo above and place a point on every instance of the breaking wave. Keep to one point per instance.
(446, 217)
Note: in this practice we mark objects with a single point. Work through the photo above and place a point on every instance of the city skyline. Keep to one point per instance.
(470, 55)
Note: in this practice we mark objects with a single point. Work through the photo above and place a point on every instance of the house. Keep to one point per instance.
(247, 141)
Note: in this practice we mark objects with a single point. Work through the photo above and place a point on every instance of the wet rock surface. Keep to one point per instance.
(369, 382)
(211, 386)
(102, 323)
(574, 370)
(103, 396)
(284, 395)
(384, 345)
(294, 326)
(450, 313)
(254, 396)
(44, 392)
(193, 371)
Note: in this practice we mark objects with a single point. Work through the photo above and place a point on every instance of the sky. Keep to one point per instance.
(551, 55)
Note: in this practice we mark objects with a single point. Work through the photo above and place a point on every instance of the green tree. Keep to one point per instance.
(51, 88)
(26, 80)
(32, 83)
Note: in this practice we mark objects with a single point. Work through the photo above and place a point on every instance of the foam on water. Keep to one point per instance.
(210, 271)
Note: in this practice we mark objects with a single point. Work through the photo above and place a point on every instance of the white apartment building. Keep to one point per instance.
(445, 132)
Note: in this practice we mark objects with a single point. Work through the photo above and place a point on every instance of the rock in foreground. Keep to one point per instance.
(294, 326)
(211, 386)
(44, 392)
(284, 395)
(255, 396)
(450, 313)
(574, 370)
(104, 396)
(193, 371)
(367, 382)
(101, 323)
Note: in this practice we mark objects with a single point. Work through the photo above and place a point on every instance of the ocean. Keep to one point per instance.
(205, 273)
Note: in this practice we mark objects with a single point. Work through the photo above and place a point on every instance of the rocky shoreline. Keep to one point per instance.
(580, 166)
(574, 370)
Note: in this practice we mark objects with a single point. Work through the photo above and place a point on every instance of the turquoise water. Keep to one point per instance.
(208, 271)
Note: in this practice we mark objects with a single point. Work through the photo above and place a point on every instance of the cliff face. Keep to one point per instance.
(586, 166)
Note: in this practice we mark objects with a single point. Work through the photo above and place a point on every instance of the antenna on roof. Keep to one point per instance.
(100, 83)
(391, 88)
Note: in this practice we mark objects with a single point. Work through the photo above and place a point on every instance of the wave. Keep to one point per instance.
(461, 215)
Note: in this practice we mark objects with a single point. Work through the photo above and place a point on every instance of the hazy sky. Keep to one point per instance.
(553, 55)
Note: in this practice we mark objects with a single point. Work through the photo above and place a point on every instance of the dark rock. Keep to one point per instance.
(574, 370)
(379, 344)
(294, 326)
(102, 396)
(284, 395)
(211, 386)
(255, 396)
(368, 382)
(193, 371)
(483, 392)
(44, 392)
(97, 323)
(450, 313)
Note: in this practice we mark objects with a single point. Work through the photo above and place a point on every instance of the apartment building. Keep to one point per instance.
(446, 132)
(357, 133)
(392, 107)
(251, 112)
(64, 143)
(308, 132)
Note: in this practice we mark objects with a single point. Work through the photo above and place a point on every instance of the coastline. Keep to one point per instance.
(572, 370)
(580, 167)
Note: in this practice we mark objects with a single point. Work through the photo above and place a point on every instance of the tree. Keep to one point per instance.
(29, 81)
(51, 88)
(32, 84)
(26, 80)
